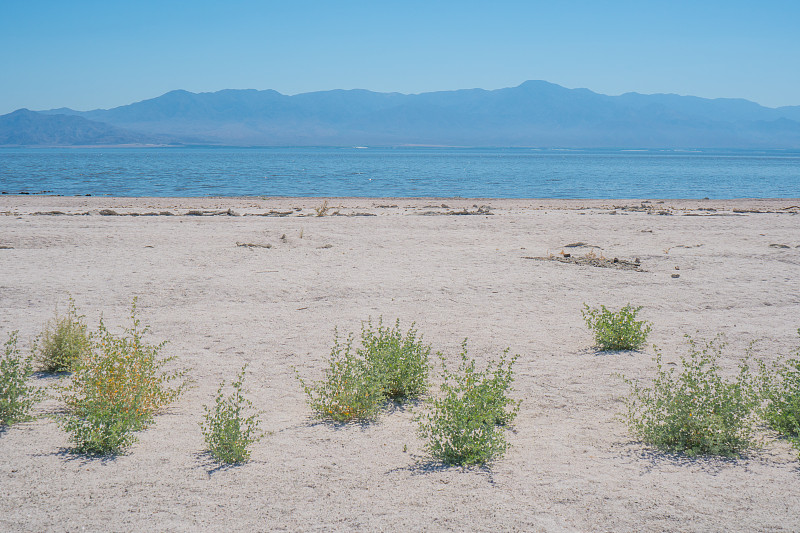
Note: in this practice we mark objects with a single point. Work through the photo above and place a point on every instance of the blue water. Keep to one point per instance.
(400, 172)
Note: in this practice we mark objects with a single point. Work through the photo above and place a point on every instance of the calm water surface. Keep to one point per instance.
(400, 172)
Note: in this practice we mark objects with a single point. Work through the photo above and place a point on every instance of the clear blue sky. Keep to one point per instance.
(100, 54)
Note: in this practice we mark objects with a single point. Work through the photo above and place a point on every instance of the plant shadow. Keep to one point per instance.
(598, 352)
(211, 466)
(424, 465)
(401, 405)
(711, 464)
(73, 455)
(362, 425)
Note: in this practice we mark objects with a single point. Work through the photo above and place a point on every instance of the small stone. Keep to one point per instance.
(676, 275)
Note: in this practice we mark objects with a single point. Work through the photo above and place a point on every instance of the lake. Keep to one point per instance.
(400, 172)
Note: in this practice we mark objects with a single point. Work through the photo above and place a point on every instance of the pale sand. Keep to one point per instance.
(572, 466)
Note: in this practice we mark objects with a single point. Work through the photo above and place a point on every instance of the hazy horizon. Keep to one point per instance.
(89, 55)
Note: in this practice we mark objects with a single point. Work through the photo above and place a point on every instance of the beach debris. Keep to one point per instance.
(779, 246)
(271, 213)
(675, 276)
(108, 212)
(325, 246)
(253, 245)
(356, 214)
(581, 244)
(479, 210)
(593, 260)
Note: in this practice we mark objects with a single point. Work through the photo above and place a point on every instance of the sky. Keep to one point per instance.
(100, 54)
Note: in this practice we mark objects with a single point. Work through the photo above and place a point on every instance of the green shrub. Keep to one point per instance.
(227, 431)
(400, 363)
(695, 410)
(17, 397)
(466, 424)
(64, 341)
(349, 391)
(116, 389)
(781, 389)
(616, 330)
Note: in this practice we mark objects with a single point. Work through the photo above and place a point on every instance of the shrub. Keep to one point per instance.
(116, 389)
(227, 431)
(64, 341)
(400, 363)
(16, 396)
(696, 410)
(616, 331)
(466, 424)
(349, 391)
(781, 388)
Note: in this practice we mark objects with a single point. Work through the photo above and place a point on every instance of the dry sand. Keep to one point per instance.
(572, 466)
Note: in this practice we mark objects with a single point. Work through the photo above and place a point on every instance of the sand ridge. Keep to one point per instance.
(456, 267)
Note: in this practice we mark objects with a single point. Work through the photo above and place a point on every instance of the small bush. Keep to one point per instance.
(227, 431)
(616, 331)
(695, 410)
(64, 341)
(466, 425)
(781, 389)
(16, 396)
(349, 391)
(400, 363)
(116, 389)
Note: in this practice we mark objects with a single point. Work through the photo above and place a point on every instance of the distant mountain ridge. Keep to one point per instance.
(28, 128)
(535, 113)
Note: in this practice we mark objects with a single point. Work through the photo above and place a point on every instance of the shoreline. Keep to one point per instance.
(384, 205)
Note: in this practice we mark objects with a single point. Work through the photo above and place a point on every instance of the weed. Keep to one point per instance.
(116, 389)
(695, 410)
(227, 431)
(322, 210)
(781, 389)
(466, 424)
(616, 330)
(349, 391)
(400, 363)
(64, 341)
(16, 396)
(591, 254)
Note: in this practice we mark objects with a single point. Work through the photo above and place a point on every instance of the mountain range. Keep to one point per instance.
(535, 113)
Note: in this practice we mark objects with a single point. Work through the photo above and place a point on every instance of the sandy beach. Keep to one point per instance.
(264, 281)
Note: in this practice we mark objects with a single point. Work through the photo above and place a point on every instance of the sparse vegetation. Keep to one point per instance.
(400, 363)
(64, 341)
(781, 389)
(116, 389)
(616, 330)
(466, 424)
(349, 391)
(231, 426)
(694, 409)
(17, 397)
(322, 210)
